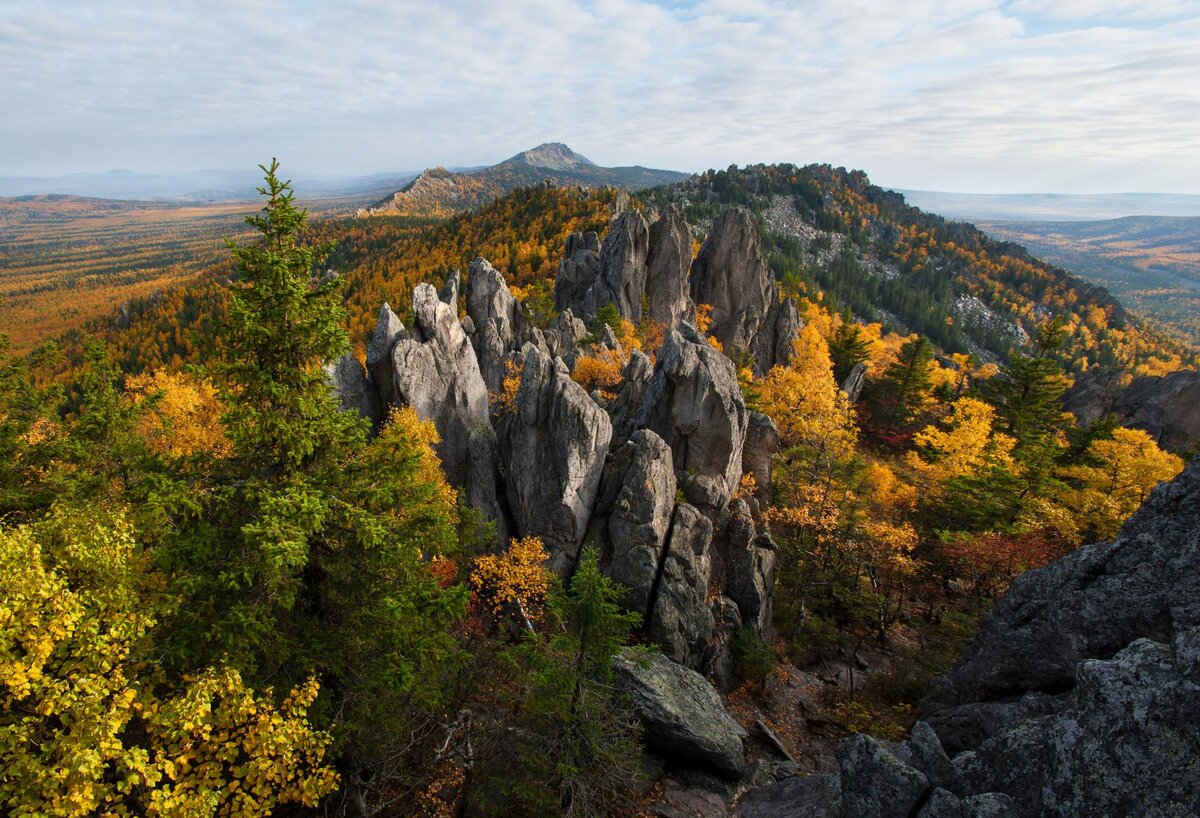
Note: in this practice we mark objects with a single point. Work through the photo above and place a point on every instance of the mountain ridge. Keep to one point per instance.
(441, 192)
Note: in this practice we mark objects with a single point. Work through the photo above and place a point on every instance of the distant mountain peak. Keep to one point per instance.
(553, 156)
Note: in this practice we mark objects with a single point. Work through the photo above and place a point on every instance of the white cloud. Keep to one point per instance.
(949, 94)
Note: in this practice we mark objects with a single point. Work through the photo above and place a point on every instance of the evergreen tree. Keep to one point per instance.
(901, 394)
(847, 348)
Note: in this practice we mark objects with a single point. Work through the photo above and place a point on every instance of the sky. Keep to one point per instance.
(1069, 96)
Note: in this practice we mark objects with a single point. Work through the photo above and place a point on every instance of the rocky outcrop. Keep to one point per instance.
(641, 481)
(680, 621)
(498, 322)
(758, 454)
(1088, 605)
(853, 385)
(667, 267)
(875, 783)
(435, 371)
(578, 272)
(813, 796)
(749, 570)
(552, 450)
(355, 393)
(693, 402)
(731, 276)
(681, 714)
(388, 330)
(1167, 407)
(623, 265)
(1081, 693)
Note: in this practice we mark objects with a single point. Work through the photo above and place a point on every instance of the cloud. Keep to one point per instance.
(949, 94)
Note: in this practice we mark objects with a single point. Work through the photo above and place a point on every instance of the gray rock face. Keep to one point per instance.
(853, 385)
(681, 714)
(875, 783)
(500, 326)
(1124, 743)
(1090, 604)
(731, 276)
(552, 457)
(388, 330)
(640, 516)
(1081, 694)
(626, 409)
(1167, 407)
(436, 372)
(349, 381)
(945, 804)
(758, 453)
(813, 796)
(693, 402)
(749, 570)
(578, 272)
(623, 265)
(680, 621)
(667, 267)
(776, 338)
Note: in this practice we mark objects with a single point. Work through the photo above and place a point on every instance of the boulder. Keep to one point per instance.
(626, 409)
(875, 783)
(681, 713)
(694, 403)
(552, 450)
(680, 620)
(667, 265)
(813, 796)
(776, 338)
(945, 804)
(435, 371)
(354, 392)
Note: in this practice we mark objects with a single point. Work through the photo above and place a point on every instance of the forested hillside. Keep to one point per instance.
(585, 518)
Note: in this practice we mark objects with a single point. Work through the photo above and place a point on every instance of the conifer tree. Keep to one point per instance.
(904, 389)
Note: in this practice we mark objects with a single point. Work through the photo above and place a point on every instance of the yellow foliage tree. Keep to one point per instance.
(1102, 494)
(519, 577)
(84, 729)
(967, 444)
(184, 414)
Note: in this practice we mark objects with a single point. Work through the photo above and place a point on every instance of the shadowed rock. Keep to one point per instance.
(354, 392)
(552, 455)
(681, 622)
(388, 330)
(667, 267)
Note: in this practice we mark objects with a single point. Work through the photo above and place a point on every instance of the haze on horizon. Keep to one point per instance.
(1066, 96)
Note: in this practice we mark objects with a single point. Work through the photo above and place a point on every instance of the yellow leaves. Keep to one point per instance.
(601, 370)
(806, 403)
(506, 400)
(966, 445)
(1103, 494)
(184, 417)
(519, 577)
(703, 317)
(74, 608)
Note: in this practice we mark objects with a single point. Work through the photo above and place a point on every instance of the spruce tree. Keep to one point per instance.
(847, 348)
(902, 392)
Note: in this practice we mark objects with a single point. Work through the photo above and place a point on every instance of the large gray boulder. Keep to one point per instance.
(435, 371)
(639, 517)
(694, 403)
(875, 783)
(552, 457)
(681, 713)
(758, 454)
(1088, 605)
(776, 338)
(681, 622)
(812, 796)
(667, 267)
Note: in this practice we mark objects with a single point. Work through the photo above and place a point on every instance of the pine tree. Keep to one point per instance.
(847, 348)
(901, 394)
